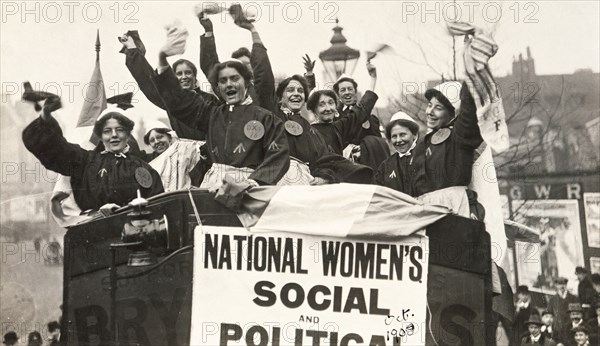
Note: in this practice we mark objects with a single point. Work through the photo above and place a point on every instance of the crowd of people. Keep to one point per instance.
(34, 338)
(258, 132)
(566, 319)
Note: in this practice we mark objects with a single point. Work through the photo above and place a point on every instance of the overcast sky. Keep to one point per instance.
(52, 43)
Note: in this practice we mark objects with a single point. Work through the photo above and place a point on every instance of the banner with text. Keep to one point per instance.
(293, 289)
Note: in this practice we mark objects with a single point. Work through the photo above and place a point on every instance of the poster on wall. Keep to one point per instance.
(595, 265)
(591, 204)
(561, 246)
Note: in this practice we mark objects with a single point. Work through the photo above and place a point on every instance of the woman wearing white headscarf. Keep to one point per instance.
(397, 171)
(175, 158)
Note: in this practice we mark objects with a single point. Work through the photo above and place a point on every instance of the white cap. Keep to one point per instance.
(450, 90)
(156, 124)
(535, 122)
(402, 116)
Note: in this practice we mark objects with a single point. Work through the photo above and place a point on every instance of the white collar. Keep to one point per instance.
(409, 151)
(536, 338)
(121, 154)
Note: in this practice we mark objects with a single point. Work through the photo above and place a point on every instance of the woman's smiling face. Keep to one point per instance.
(438, 115)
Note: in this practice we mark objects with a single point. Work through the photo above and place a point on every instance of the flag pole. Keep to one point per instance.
(97, 44)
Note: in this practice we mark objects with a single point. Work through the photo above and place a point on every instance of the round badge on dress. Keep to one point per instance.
(143, 177)
(254, 130)
(366, 125)
(441, 135)
(293, 128)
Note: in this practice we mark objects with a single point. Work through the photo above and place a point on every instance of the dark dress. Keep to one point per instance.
(397, 173)
(237, 135)
(309, 147)
(449, 162)
(370, 128)
(97, 177)
(340, 132)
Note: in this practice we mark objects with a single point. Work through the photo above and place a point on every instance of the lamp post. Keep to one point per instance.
(339, 58)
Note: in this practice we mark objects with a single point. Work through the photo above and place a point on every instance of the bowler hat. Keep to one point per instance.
(574, 307)
(580, 270)
(561, 280)
(10, 338)
(534, 319)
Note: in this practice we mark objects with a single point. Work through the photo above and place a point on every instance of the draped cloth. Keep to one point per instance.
(479, 48)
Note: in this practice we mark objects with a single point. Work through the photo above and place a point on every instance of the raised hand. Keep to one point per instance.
(239, 19)
(127, 41)
(205, 22)
(50, 105)
(309, 65)
(176, 39)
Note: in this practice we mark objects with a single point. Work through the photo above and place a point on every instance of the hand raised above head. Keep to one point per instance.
(239, 18)
(176, 38)
(51, 104)
(127, 41)
(309, 64)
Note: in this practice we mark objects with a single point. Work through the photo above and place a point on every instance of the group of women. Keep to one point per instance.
(254, 132)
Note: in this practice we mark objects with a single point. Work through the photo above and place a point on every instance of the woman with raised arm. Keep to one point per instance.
(142, 72)
(444, 159)
(104, 178)
(242, 138)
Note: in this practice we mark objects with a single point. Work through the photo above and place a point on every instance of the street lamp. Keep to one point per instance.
(339, 57)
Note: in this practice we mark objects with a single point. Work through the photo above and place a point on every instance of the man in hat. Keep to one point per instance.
(585, 291)
(535, 335)
(559, 303)
(548, 328)
(34, 339)
(575, 313)
(10, 338)
(524, 308)
(595, 279)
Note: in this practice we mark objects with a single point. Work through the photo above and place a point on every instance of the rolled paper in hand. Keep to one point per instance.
(176, 38)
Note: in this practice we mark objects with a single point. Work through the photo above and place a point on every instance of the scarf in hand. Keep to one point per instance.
(479, 48)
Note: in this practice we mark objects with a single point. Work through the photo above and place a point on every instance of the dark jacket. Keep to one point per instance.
(594, 327)
(340, 132)
(143, 73)
(558, 307)
(227, 140)
(450, 162)
(368, 128)
(309, 145)
(585, 291)
(522, 316)
(397, 173)
(543, 341)
(97, 177)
